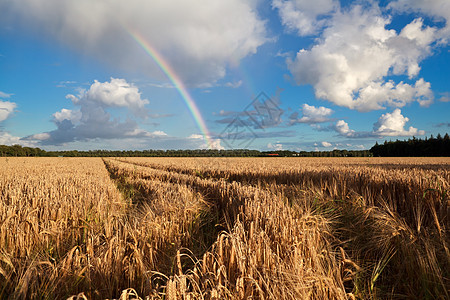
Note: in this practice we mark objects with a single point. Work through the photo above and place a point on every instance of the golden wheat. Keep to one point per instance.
(224, 228)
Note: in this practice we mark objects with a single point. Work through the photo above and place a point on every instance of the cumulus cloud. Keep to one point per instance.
(389, 124)
(326, 144)
(198, 39)
(67, 114)
(438, 9)
(159, 133)
(311, 115)
(304, 16)
(40, 136)
(9, 140)
(343, 129)
(350, 62)
(392, 124)
(116, 93)
(6, 109)
(93, 121)
(214, 143)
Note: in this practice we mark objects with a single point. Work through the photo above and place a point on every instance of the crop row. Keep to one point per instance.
(388, 219)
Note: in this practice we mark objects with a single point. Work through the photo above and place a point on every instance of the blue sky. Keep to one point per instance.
(281, 74)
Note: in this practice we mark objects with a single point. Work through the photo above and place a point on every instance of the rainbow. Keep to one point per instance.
(175, 79)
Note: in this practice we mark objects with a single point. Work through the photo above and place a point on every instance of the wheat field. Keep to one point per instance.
(224, 228)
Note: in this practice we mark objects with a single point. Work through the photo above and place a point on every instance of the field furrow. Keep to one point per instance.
(269, 246)
(378, 214)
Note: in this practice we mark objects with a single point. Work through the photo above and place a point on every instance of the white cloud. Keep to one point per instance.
(159, 133)
(326, 144)
(304, 16)
(66, 83)
(398, 95)
(40, 136)
(6, 109)
(439, 9)
(93, 121)
(349, 64)
(196, 136)
(67, 114)
(445, 97)
(343, 129)
(213, 143)
(115, 93)
(277, 146)
(392, 124)
(389, 124)
(8, 139)
(137, 132)
(5, 95)
(234, 85)
(199, 39)
(312, 115)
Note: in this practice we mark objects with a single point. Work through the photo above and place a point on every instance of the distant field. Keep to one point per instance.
(225, 228)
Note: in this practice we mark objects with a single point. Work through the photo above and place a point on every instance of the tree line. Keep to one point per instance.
(433, 146)
(17, 150)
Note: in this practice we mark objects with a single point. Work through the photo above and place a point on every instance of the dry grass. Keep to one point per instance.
(230, 228)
